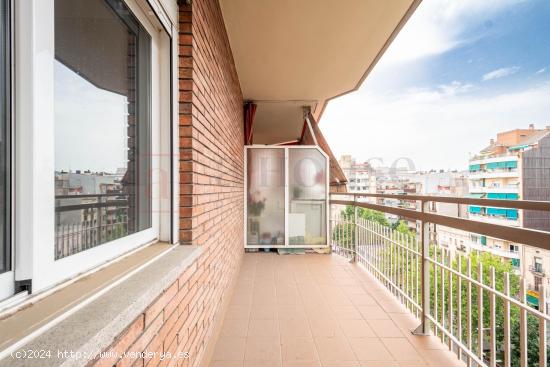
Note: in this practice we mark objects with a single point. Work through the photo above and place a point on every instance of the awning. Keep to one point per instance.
(78, 39)
(518, 147)
(474, 209)
(496, 211)
(503, 164)
(475, 195)
(502, 195)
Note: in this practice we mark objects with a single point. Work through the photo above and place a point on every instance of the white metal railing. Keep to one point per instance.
(495, 219)
(480, 312)
(504, 172)
(495, 189)
(496, 251)
(86, 221)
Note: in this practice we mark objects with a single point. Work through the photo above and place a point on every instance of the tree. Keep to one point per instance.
(402, 227)
(374, 216)
(344, 231)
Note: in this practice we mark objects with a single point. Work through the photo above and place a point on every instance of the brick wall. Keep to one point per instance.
(211, 179)
(212, 154)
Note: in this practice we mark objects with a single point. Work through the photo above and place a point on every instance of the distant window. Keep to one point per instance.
(538, 264)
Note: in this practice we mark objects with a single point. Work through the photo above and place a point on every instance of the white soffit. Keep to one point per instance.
(278, 122)
(288, 50)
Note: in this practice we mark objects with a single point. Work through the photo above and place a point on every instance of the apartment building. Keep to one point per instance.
(445, 183)
(364, 178)
(515, 165)
(361, 176)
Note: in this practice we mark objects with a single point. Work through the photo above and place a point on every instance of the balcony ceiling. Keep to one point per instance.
(308, 50)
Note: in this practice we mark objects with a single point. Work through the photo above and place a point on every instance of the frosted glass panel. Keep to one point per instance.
(266, 197)
(307, 195)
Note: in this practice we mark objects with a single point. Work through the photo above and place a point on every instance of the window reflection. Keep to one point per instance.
(102, 124)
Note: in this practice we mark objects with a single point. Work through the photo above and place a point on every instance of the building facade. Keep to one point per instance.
(361, 176)
(514, 166)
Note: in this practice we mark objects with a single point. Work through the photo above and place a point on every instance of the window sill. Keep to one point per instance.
(88, 317)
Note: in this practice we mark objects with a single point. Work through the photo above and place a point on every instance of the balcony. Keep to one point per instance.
(495, 251)
(490, 189)
(183, 72)
(426, 278)
(500, 220)
(382, 297)
(496, 158)
(537, 270)
(498, 173)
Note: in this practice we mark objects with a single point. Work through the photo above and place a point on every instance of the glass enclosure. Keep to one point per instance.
(102, 124)
(5, 87)
(286, 197)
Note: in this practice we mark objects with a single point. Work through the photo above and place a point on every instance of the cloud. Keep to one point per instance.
(434, 128)
(436, 123)
(456, 87)
(438, 26)
(540, 71)
(500, 73)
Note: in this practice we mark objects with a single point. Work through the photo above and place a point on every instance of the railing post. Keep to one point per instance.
(542, 328)
(355, 235)
(423, 328)
(100, 219)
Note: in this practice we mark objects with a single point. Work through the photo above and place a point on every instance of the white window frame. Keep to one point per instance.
(287, 188)
(7, 278)
(35, 220)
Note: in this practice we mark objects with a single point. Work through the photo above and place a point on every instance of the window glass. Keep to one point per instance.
(102, 124)
(5, 243)
(307, 195)
(266, 197)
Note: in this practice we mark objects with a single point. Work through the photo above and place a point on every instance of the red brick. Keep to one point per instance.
(211, 161)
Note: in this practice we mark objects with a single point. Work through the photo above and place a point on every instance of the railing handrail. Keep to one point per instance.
(89, 196)
(532, 237)
(107, 204)
(501, 203)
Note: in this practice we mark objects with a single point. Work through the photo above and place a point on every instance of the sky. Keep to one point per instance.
(459, 72)
(90, 125)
